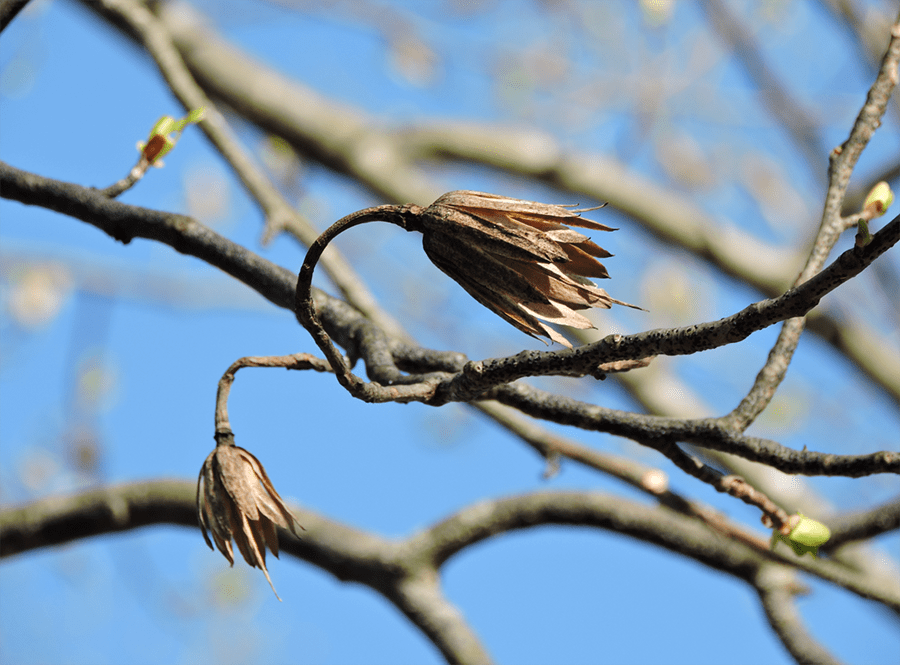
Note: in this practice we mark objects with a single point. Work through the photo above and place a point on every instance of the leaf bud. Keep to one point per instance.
(165, 134)
(806, 535)
(879, 199)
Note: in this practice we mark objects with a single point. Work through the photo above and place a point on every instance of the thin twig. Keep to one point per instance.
(841, 164)
(155, 39)
(134, 176)
(298, 361)
(650, 480)
(705, 433)
(305, 309)
(773, 516)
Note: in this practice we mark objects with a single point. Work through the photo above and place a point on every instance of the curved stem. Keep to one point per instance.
(294, 361)
(305, 308)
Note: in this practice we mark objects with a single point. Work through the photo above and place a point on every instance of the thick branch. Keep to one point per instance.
(777, 589)
(347, 140)
(348, 554)
(659, 432)
(864, 524)
(419, 597)
(125, 222)
(353, 555)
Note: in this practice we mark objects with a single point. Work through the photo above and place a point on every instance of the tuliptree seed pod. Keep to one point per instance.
(236, 500)
(518, 258)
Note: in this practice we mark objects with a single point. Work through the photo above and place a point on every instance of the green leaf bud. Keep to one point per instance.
(879, 199)
(165, 135)
(806, 535)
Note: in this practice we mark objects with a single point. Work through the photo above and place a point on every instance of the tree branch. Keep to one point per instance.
(863, 525)
(347, 140)
(403, 569)
(776, 588)
(658, 432)
(9, 9)
(470, 380)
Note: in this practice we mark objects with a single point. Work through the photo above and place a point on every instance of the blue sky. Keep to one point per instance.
(124, 371)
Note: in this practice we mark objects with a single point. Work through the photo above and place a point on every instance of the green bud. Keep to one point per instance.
(165, 125)
(165, 134)
(806, 535)
(879, 199)
(863, 237)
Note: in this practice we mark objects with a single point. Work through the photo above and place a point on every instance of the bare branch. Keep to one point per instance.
(385, 565)
(483, 378)
(776, 588)
(864, 524)
(841, 164)
(348, 554)
(652, 481)
(658, 432)
(419, 597)
(58, 520)
(773, 515)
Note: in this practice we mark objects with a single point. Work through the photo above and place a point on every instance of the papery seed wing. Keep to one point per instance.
(216, 504)
(558, 286)
(553, 334)
(269, 500)
(504, 240)
(201, 505)
(535, 213)
(557, 313)
(270, 534)
(238, 479)
(253, 548)
(460, 261)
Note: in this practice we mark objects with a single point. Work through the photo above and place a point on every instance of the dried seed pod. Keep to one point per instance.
(518, 258)
(236, 500)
